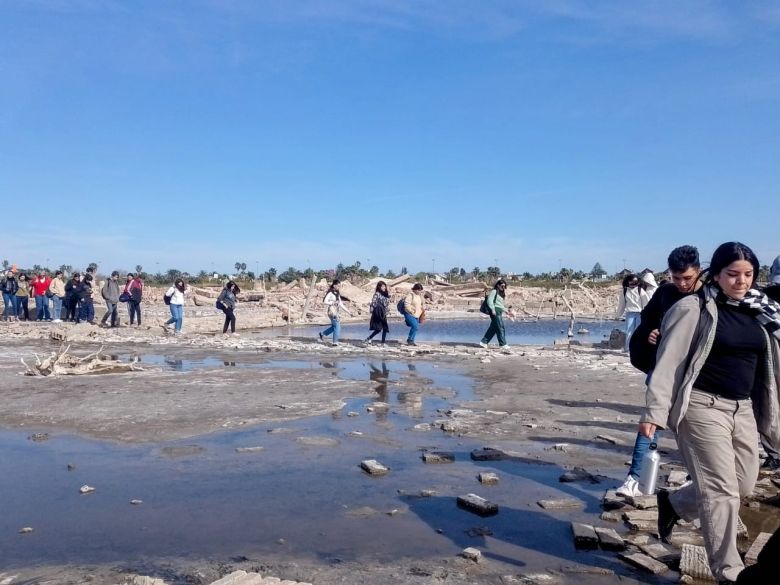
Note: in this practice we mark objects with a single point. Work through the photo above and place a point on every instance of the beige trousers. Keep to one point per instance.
(718, 442)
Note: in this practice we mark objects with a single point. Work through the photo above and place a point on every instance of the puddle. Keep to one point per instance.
(294, 488)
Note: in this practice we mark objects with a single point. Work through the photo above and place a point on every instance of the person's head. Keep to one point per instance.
(130, 276)
(58, 274)
(232, 287)
(733, 268)
(9, 273)
(76, 276)
(381, 288)
(22, 277)
(684, 268)
(500, 287)
(417, 288)
(42, 274)
(115, 275)
(774, 273)
(90, 270)
(87, 278)
(630, 281)
(179, 283)
(335, 285)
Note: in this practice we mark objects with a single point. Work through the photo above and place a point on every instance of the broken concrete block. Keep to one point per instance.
(640, 515)
(751, 558)
(611, 516)
(373, 467)
(612, 501)
(565, 447)
(451, 426)
(661, 552)
(488, 478)
(230, 579)
(579, 474)
(677, 477)
(609, 539)
(488, 454)
(679, 538)
(560, 504)
(26, 530)
(478, 505)
(644, 502)
(644, 562)
(693, 562)
(585, 537)
(472, 554)
(438, 457)
(428, 493)
(643, 526)
(638, 540)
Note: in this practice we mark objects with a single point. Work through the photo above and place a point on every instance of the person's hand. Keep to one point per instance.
(652, 339)
(647, 430)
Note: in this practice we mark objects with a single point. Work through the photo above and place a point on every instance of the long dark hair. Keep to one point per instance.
(628, 278)
(727, 253)
(331, 289)
(379, 286)
(178, 282)
(499, 291)
(232, 287)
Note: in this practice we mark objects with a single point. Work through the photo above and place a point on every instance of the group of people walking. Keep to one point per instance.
(709, 341)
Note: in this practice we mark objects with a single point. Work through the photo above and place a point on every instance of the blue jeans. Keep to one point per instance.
(42, 308)
(413, 323)
(177, 316)
(56, 303)
(86, 311)
(633, 319)
(335, 328)
(10, 306)
(111, 313)
(641, 446)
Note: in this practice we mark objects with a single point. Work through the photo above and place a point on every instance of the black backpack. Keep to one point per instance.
(484, 308)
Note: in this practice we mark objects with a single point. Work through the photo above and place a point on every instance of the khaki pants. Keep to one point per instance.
(718, 442)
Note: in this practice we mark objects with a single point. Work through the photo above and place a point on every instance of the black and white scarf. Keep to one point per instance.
(764, 310)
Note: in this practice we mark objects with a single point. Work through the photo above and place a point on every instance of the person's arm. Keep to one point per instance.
(621, 310)
(170, 292)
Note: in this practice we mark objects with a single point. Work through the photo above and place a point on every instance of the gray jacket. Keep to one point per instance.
(672, 381)
(111, 291)
(774, 274)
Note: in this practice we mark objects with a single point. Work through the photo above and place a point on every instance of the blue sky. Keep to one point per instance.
(199, 133)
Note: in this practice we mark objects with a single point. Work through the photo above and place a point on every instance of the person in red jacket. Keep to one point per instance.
(39, 287)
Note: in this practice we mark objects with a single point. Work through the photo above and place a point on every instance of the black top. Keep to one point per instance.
(731, 368)
(773, 292)
(642, 352)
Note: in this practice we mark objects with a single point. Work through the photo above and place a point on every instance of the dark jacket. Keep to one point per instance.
(9, 286)
(641, 351)
(773, 292)
(227, 298)
(84, 292)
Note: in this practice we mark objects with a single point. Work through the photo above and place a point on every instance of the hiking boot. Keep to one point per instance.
(667, 517)
(630, 488)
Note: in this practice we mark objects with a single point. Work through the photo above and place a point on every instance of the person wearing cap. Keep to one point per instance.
(38, 287)
(414, 309)
(110, 294)
(57, 292)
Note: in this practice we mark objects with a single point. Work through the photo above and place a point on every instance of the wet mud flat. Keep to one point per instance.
(242, 459)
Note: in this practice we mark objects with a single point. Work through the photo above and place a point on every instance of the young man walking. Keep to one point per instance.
(110, 294)
(684, 272)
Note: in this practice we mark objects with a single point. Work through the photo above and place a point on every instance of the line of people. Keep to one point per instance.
(709, 341)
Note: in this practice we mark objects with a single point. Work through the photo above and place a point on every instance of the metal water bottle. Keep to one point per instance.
(648, 477)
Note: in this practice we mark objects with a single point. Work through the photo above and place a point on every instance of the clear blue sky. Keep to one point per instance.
(308, 132)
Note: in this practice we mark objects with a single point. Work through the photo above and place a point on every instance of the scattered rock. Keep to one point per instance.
(609, 539)
(143, 580)
(471, 554)
(428, 493)
(609, 439)
(640, 515)
(373, 467)
(86, 489)
(677, 478)
(71, 466)
(478, 505)
(612, 501)
(136, 502)
(355, 434)
(538, 579)
(452, 426)
(318, 441)
(580, 474)
(353, 413)
(38, 437)
(560, 504)
(25, 530)
(488, 478)
(249, 449)
(644, 562)
(611, 516)
(644, 502)
(564, 447)
(488, 454)
(585, 537)
(435, 457)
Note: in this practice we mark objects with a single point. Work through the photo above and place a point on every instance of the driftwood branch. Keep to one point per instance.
(62, 363)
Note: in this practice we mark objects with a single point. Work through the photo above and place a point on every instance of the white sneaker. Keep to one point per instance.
(630, 488)
(483, 344)
(57, 321)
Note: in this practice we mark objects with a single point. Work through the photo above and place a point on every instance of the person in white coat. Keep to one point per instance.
(176, 295)
(631, 301)
(335, 305)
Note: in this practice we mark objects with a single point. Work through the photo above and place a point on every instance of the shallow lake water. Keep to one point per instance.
(303, 494)
(544, 331)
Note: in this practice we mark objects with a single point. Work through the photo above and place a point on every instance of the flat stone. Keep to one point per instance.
(355, 434)
(693, 562)
(318, 441)
(435, 457)
(611, 516)
(677, 478)
(643, 526)
(25, 530)
(638, 540)
(257, 449)
(538, 579)
(680, 538)
(488, 454)
(612, 501)
(644, 515)
(609, 539)
(451, 426)
(585, 537)
(428, 493)
(488, 478)
(472, 554)
(373, 467)
(751, 558)
(353, 413)
(560, 504)
(661, 552)
(565, 447)
(230, 579)
(144, 580)
(644, 562)
(86, 489)
(136, 502)
(608, 439)
(644, 502)
(478, 505)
